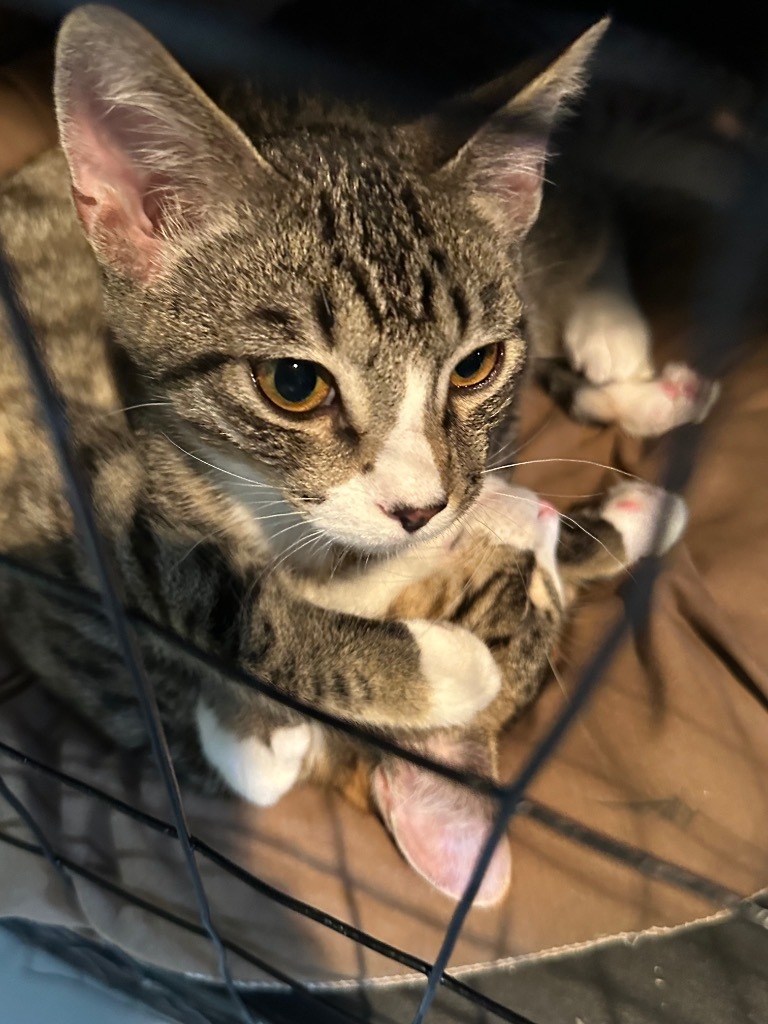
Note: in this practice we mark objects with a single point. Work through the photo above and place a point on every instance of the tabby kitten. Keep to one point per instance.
(508, 573)
(273, 350)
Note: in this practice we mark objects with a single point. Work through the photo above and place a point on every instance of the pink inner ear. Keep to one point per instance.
(112, 196)
(440, 828)
(507, 164)
(517, 181)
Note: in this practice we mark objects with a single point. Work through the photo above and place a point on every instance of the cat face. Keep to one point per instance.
(355, 364)
(328, 311)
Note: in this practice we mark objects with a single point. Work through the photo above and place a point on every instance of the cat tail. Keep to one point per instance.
(441, 826)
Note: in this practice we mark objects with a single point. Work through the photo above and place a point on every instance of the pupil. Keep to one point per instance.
(295, 380)
(471, 364)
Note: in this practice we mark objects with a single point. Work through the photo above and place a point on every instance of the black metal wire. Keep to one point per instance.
(57, 422)
(315, 1000)
(421, 966)
(660, 870)
(679, 466)
(511, 798)
(53, 412)
(90, 599)
(513, 794)
(29, 820)
(651, 866)
(720, 334)
(239, 50)
(166, 993)
(648, 864)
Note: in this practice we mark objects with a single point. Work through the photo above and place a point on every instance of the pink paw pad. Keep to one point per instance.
(648, 519)
(547, 511)
(627, 505)
(688, 389)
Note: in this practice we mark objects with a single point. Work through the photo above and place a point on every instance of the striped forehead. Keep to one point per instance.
(362, 317)
(388, 258)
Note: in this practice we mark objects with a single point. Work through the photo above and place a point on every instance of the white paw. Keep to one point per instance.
(607, 338)
(460, 670)
(687, 397)
(548, 534)
(650, 408)
(649, 519)
(258, 771)
(516, 516)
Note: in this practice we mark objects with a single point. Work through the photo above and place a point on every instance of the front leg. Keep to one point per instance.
(502, 584)
(393, 675)
(605, 335)
(600, 540)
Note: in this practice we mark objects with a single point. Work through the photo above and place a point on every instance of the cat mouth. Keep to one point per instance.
(376, 542)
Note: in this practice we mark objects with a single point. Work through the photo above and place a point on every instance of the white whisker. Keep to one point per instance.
(128, 408)
(275, 515)
(583, 462)
(555, 494)
(292, 526)
(521, 446)
(295, 548)
(211, 465)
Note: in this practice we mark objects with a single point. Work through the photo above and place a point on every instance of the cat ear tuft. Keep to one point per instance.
(505, 157)
(153, 161)
(440, 826)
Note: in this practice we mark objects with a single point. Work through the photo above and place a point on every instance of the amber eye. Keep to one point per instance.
(296, 385)
(477, 366)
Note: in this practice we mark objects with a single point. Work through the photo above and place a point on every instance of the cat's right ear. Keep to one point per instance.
(154, 163)
(502, 157)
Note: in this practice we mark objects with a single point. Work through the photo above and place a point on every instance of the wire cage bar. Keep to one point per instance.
(216, 40)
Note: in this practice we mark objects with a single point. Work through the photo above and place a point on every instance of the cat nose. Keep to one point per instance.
(412, 519)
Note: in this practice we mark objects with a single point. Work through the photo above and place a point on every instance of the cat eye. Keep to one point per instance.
(477, 366)
(295, 385)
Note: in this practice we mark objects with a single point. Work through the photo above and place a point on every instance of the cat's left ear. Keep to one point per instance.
(504, 158)
(155, 165)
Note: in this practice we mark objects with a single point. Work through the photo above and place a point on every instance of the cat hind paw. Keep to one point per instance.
(677, 396)
(607, 339)
(261, 772)
(649, 519)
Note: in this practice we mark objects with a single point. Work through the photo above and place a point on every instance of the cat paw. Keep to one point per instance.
(607, 339)
(650, 408)
(460, 670)
(258, 771)
(689, 396)
(649, 519)
(508, 514)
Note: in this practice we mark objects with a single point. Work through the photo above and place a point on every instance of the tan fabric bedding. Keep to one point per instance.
(671, 756)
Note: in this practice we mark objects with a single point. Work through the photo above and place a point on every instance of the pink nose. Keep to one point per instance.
(412, 519)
